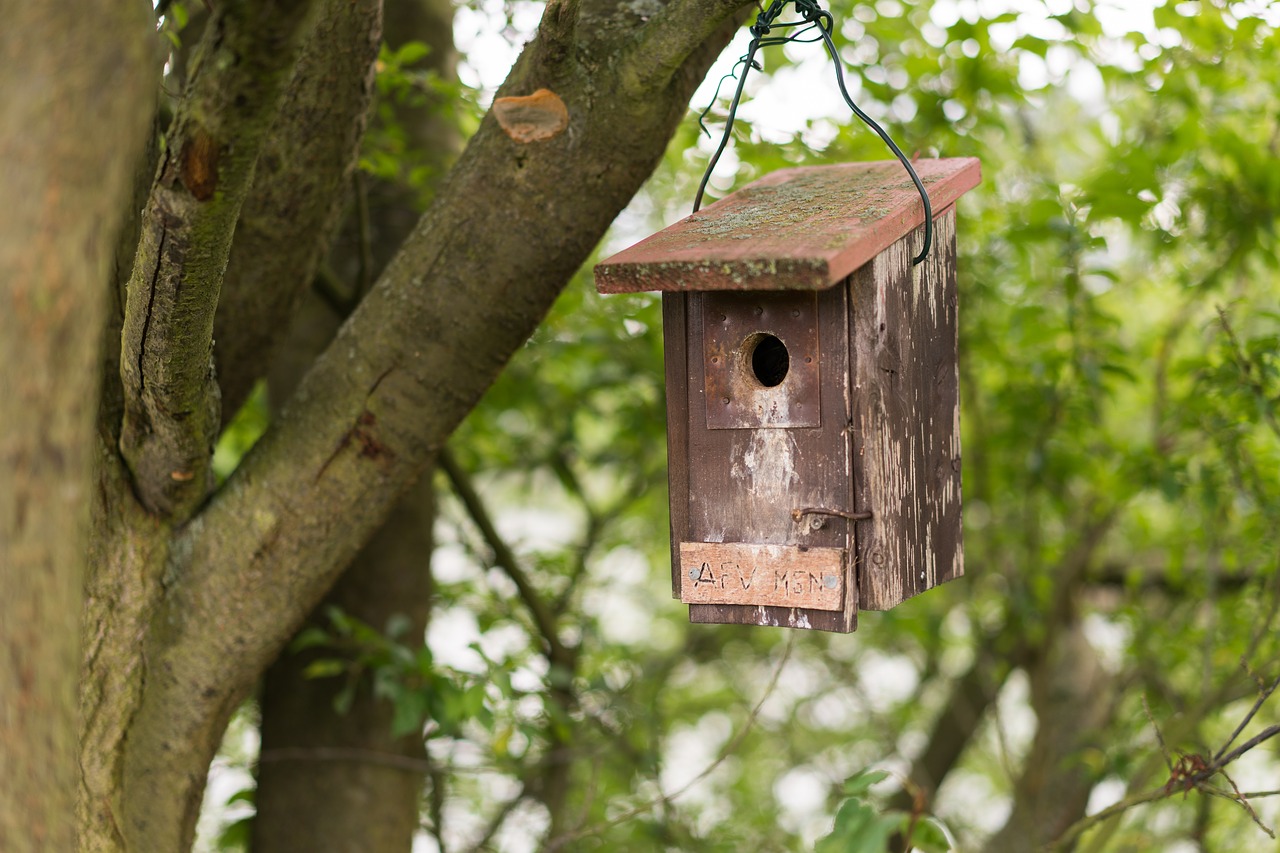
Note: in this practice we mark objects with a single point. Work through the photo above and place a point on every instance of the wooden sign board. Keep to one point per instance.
(762, 575)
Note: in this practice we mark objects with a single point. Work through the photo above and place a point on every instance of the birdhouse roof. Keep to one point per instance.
(796, 229)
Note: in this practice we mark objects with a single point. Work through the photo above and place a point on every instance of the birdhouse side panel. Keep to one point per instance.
(675, 347)
(906, 420)
(747, 484)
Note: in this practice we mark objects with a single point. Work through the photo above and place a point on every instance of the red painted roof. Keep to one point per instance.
(795, 229)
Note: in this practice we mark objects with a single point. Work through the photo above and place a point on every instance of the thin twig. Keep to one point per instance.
(499, 818)
(1248, 373)
(664, 799)
(503, 556)
(1164, 749)
(1263, 695)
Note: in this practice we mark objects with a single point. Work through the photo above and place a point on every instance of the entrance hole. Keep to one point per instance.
(770, 360)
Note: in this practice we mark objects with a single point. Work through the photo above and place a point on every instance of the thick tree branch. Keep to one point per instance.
(673, 33)
(291, 212)
(511, 224)
(1072, 701)
(170, 394)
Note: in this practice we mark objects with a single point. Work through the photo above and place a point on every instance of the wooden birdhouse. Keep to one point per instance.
(813, 410)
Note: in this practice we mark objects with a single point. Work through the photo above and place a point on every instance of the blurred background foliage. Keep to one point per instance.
(1120, 321)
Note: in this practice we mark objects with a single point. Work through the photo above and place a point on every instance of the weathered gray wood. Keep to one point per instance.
(906, 420)
(676, 366)
(776, 575)
(745, 483)
(738, 399)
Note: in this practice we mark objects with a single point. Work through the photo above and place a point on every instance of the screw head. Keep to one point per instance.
(830, 581)
(693, 574)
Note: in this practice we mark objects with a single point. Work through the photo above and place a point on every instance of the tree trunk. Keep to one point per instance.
(69, 74)
(341, 782)
(1072, 698)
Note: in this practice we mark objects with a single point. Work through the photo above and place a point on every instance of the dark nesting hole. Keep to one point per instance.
(770, 360)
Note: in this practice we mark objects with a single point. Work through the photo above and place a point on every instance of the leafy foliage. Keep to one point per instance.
(1119, 283)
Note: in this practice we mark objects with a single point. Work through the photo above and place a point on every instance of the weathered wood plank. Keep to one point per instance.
(676, 367)
(796, 229)
(745, 483)
(906, 420)
(777, 575)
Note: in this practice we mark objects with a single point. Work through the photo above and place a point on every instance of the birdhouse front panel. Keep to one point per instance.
(812, 393)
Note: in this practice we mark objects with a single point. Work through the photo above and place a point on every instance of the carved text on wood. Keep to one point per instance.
(775, 575)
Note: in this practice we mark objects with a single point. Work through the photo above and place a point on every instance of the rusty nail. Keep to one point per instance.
(877, 557)
(724, 400)
(795, 312)
(829, 581)
(808, 359)
(759, 310)
(715, 360)
(723, 318)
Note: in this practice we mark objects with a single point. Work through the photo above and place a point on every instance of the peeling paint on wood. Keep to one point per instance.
(906, 420)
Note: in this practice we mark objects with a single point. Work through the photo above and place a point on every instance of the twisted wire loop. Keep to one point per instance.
(815, 24)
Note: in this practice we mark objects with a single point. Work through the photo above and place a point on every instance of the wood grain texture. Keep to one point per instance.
(777, 575)
(796, 229)
(744, 483)
(906, 420)
(676, 364)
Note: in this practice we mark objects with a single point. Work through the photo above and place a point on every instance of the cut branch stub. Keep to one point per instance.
(532, 118)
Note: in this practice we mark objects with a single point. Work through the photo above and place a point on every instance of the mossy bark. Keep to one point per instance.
(171, 397)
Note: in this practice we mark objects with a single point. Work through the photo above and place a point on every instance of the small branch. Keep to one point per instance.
(335, 753)
(503, 557)
(171, 399)
(332, 292)
(1249, 373)
(664, 799)
(1190, 772)
(498, 820)
(1263, 695)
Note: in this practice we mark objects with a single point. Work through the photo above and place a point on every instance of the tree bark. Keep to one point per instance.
(69, 75)
(289, 218)
(171, 398)
(511, 224)
(341, 783)
(329, 781)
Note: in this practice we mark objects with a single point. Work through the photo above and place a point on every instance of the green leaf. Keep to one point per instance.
(325, 668)
(860, 783)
